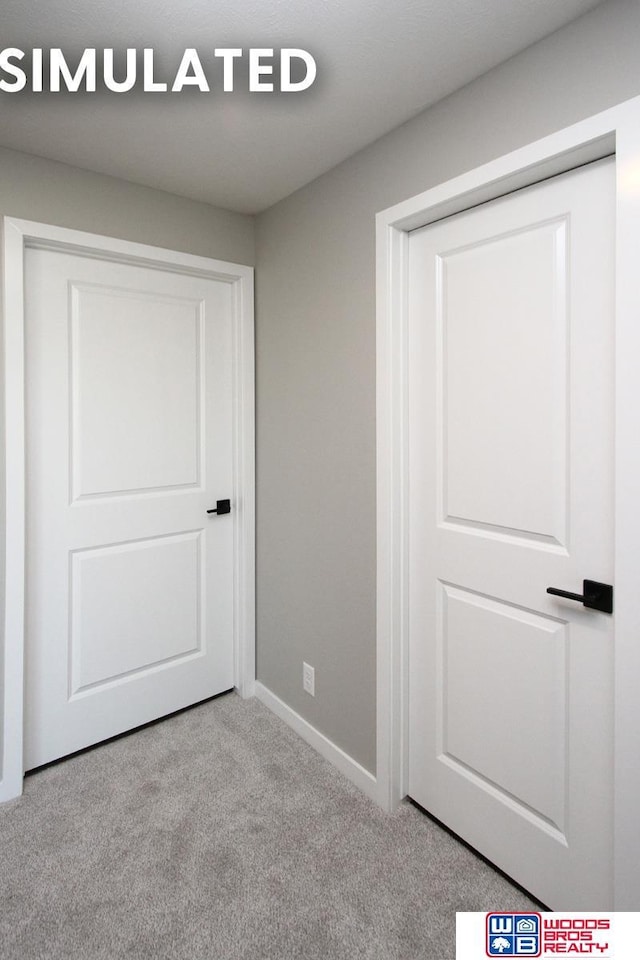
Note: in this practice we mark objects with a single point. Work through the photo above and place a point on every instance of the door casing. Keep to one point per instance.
(613, 132)
(17, 236)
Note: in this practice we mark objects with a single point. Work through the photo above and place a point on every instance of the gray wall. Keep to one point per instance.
(36, 189)
(316, 358)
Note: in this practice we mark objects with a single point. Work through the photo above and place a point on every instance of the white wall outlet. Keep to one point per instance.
(309, 679)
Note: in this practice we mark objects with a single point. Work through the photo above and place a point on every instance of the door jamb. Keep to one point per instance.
(17, 236)
(614, 131)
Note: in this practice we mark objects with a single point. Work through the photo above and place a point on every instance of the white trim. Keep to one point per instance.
(364, 780)
(17, 235)
(244, 492)
(615, 130)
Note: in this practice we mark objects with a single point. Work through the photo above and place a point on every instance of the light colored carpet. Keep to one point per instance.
(217, 835)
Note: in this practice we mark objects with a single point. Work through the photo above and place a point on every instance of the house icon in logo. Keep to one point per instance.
(526, 926)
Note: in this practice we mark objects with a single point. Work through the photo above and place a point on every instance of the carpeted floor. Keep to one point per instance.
(216, 835)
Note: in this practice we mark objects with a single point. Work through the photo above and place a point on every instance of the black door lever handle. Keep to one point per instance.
(595, 596)
(222, 506)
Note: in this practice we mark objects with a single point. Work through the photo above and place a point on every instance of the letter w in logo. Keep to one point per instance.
(501, 925)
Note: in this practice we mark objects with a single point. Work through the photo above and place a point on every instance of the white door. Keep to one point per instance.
(129, 443)
(511, 492)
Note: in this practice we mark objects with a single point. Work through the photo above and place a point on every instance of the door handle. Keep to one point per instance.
(595, 596)
(222, 506)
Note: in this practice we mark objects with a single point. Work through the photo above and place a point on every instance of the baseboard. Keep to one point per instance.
(325, 747)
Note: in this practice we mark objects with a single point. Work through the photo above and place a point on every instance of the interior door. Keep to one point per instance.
(129, 443)
(511, 492)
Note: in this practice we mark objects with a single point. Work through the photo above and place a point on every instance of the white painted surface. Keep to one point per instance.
(616, 130)
(503, 700)
(511, 490)
(135, 606)
(21, 236)
(381, 63)
(150, 346)
(502, 309)
(364, 780)
(130, 583)
(627, 528)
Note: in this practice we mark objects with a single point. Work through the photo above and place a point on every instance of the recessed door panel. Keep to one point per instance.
(147, 434)
(502, 305)
(504, 700)
(134, 606)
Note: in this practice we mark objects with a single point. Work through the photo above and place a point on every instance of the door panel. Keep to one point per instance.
(150, 347)
(511, 491)
(514, 288)
(134, 606)
(479, 633)
(129, 442)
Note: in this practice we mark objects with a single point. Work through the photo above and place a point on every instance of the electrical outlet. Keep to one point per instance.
(309, 679)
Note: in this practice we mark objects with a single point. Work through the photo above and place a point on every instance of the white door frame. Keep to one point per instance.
(615, 131)
(17, 236)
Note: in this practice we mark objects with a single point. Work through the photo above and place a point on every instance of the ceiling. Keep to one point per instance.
(380, 62)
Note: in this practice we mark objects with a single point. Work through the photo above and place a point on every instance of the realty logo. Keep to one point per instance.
(513, 935)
